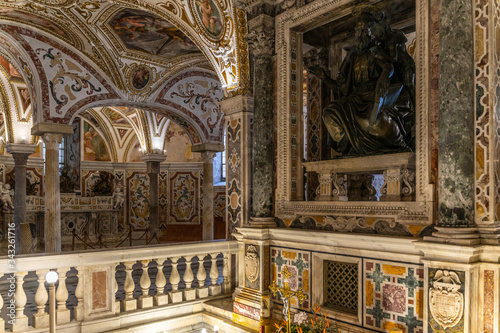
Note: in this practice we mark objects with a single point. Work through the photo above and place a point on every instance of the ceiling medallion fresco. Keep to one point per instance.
(209, 17)
(142, 31)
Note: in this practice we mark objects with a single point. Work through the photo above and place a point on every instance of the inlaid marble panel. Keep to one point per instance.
(299, 264)
(394, 296)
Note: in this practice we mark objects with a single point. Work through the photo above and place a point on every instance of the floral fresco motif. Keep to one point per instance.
(210, 17)
(184, 194)
(68, 79)
(94, 148)
(140, 77)
(138, 199)
(143, 31)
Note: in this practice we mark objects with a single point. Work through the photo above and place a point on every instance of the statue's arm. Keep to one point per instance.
(381, 90)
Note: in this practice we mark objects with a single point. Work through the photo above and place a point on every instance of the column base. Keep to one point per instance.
(189, 294)
(490, 233)
(458, 236)
(21, 324)
(63, 316)
(145, 302)
(175, 296)
(160, 300)
(262, 222)
(202, 292)
(128, 305)
(39, 320)
(117, 307)
(214, 290)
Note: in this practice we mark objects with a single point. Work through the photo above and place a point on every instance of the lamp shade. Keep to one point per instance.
(51, 277)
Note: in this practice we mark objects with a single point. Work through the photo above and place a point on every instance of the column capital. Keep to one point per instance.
(52, 140)
(20, 152)
(261, 42)
(208, 156)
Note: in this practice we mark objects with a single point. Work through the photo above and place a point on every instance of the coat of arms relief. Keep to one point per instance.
(446, 302)
(252, 263)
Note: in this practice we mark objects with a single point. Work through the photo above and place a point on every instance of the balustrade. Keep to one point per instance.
(98, 282)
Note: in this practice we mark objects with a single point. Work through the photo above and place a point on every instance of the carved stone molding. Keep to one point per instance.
(446, 302)
(252, 270)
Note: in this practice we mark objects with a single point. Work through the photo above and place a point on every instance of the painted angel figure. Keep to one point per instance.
(6, 196)
(119, 197)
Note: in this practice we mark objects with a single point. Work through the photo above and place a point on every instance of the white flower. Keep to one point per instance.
(300, 318)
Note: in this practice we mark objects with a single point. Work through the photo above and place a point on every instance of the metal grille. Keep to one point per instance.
(340, 288)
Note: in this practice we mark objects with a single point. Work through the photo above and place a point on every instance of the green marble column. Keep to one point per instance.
(261, 45)
(456, 115)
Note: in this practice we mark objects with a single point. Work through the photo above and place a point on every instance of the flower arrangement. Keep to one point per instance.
(302, 324)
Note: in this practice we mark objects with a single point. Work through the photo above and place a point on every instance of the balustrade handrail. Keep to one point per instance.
(34, 262)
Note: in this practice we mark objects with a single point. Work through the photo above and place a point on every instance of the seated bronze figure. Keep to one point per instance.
(373, 108)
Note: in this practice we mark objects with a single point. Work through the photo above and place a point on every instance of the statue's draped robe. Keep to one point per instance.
(346, 118)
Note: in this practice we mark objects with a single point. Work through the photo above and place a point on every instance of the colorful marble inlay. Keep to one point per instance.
(233, 184)
(138, 199)
(489, 301)
(394, 296)
(184, 196)
(299, 264)
(246, 310)
(485, 112)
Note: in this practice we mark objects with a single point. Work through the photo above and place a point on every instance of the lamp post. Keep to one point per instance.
(51, 277)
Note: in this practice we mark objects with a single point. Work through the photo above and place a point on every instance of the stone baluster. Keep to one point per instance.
(129, 303)
(2, 322)
(117, 302)
(201, 276)
(20, 301)
(160, 298)
(78, 309)
(188, 277)
(226, 274)
(145, 301)
(175, 278)
(214, 289)
(41, 318)
(63, 314)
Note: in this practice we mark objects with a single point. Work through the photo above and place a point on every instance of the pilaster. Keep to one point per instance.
(153, 169)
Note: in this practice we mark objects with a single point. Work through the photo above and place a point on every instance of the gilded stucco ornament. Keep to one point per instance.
(252, 264)
(446, 302)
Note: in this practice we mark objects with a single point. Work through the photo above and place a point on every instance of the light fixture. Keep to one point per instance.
(51, 277)
(216, 329)
(203, 330)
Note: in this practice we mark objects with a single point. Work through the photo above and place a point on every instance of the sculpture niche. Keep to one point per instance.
(374, 94)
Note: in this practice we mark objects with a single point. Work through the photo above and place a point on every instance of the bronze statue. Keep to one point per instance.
(103, 186)
(369, 115)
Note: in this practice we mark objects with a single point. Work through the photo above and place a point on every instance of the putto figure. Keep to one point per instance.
(6, 197)
(373, 108)
(118, 197)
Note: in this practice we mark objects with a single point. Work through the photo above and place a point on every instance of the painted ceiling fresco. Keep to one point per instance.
(146, 32)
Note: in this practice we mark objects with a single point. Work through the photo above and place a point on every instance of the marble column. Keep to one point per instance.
(261, 44)
(51, 135)
(20, 153)
(153, 169)
(208, 152)
(52, 193)
(456, 123)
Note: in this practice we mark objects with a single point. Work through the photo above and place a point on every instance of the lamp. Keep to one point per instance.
(216, 329)
(51, 277)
